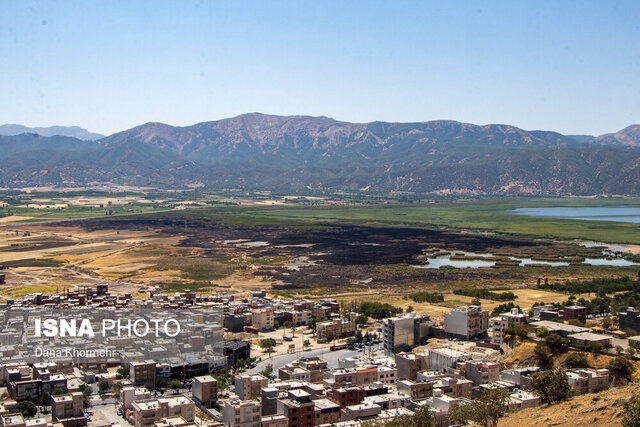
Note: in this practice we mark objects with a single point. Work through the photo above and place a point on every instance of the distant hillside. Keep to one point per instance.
(261, 151)
(629, 136)
(582, 138)
(72, 131)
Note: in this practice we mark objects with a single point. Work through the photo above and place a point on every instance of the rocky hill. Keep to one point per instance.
(258, 151)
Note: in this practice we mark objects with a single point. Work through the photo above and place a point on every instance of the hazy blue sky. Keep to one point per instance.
(570, 66)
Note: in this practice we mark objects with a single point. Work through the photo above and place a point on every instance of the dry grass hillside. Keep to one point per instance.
(599, 409)
(522, 356)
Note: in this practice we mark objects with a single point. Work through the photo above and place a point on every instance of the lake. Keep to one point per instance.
(438, 260)
(601, 213)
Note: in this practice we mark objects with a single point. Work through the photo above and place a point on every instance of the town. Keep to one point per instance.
(257, 360)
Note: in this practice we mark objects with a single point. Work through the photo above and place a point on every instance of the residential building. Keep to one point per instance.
(131, 394)
(274, 421)
(297, 317)
(409, 364)
(522, 400)
(143, 373)
(506, 321)
(262, 319)
(345, 396)
(404, 332)
(481, 372)
(440, 359)
(365, 410)
(12, 420)
(415, 389)
(241, 413)
(146, 413)
(629, 320)
(558, 328)
(587, 338)
(575, 312)
(316, 367)
(339, 327)
(584, 381)
(298, 408)
(68, 407)
(236, 350)
(520, 377)
(327, 411)
(466, 322)
(248, 387)
(205, 391)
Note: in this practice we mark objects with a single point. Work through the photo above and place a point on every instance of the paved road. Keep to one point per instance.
(324, 353)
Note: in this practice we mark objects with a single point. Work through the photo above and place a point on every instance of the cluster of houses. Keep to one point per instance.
(306, 392)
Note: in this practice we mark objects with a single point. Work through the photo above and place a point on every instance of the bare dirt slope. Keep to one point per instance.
(600, 409)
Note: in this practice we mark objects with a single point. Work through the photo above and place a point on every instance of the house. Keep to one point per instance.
(586, 338)
(440, 359)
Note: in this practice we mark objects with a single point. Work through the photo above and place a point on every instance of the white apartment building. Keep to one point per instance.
(466, 322)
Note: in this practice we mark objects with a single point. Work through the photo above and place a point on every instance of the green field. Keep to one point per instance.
(473, 215)
(461, 214)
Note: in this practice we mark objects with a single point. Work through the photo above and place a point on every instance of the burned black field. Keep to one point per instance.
(352, 256)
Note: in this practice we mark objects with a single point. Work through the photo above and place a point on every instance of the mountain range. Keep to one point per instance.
(73, 131)
(259, 151)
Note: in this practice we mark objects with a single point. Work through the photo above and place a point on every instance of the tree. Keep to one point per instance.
(522, 331)
(422, 417)
(631, 413)
(476, 301)
(27, 408)
(306, 343)
(485, 411)
(552, 386)
(461, 413)
(621, 369)
(267, 371)
(116, 390)
(542, 332)
(362, 319)
(103, 386)
(378, 310)
(268, 344)
(542, 353)
(86, 395)
(290, 325)
(576, 322)
(607, 323)
(576, 360)
(556, 342)
(175, 384)
(45, 400)
(122, 372)
(409, 309)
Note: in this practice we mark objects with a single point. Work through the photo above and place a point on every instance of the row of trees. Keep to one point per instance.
(486, 294)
